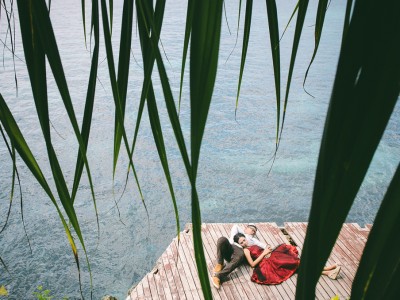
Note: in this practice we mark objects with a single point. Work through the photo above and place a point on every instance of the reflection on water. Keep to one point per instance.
(233, 182)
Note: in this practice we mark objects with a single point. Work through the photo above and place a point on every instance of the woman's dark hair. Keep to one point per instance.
(237, 236)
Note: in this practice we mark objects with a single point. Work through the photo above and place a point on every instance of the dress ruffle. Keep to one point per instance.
(282, 264)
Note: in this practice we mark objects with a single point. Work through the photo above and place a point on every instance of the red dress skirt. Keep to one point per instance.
(282, 264)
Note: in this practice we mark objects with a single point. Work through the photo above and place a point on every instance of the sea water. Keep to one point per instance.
(235, 180)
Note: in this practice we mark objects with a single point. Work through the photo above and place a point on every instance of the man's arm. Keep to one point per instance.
(234, 230)
(259, 243)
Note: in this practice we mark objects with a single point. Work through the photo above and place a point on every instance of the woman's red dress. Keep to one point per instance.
(282, 264)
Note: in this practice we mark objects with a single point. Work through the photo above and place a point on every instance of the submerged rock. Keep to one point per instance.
(108, 297)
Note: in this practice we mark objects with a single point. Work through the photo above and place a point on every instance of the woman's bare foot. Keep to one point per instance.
(332, 274)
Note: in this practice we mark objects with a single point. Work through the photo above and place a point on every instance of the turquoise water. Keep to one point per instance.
(233, 183)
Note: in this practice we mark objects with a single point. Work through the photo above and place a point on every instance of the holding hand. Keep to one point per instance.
(267, 252)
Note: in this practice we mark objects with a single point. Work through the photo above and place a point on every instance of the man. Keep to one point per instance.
(249, 231)
(232, 252)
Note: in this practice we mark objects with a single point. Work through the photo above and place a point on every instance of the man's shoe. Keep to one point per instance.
(216, 282)
(218, 268)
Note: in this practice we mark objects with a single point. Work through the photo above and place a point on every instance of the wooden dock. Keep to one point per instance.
(175, 275)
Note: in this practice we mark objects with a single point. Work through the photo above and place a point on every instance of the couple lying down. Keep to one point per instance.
(270, 266)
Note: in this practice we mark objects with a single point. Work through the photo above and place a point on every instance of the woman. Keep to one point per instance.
(275, 266)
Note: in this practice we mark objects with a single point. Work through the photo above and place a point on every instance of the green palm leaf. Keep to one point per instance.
(24, 151)
(290, 19)
(274, 39)
(83, 18)
(204, 49)
(35, 57)
(38, 40)
(302, 10)
(188, 29)
(114, 86)
(347, 18)
(155, 19)
(246, 36)
(319, 24)
(87, 116)
(169, 99)
(380, 259)
(159, 140)
(11, 151)
(48, 45)
(364, 95)
(123, 72)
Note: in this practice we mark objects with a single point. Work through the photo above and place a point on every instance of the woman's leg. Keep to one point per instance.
(331, 267)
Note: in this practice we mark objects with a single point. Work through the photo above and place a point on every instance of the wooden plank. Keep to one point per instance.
(146, 288)
(189, 252)
(140, 292)
(353, 240)
(183, 262)
(164, 279)
(169, 277)
(184, 275)
(153, 287)
(159, 279)
(363, 231)
(133, 294)
(360, 235)
(173, 262)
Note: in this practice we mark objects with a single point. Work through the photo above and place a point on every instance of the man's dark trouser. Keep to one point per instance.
(233, 254)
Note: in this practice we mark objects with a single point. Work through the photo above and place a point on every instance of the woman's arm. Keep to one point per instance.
(252, 262)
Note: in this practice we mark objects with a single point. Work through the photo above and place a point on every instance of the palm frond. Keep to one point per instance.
(364, 95)
(319, 24)
(123, 72)
(114, 86)
(15, 135)
(90, 95)
(154, 20)
(380, 259)
(188, 29)
(302, 10)
(275, 50)
(246, 36)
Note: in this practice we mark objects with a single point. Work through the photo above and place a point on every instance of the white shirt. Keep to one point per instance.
(251, 240)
